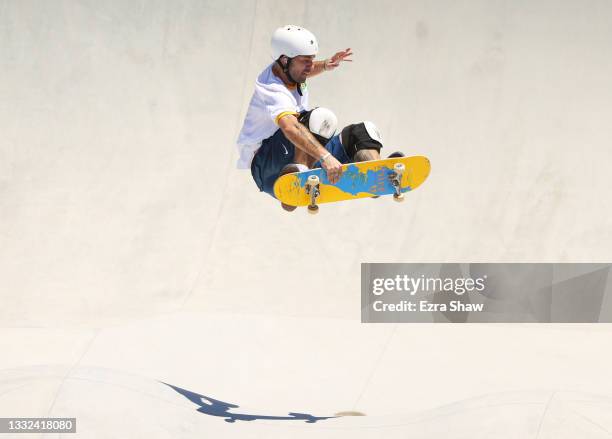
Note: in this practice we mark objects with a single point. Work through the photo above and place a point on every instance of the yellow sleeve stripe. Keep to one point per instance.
(283, 114)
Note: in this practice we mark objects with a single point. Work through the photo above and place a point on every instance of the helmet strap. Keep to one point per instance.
(288, 75)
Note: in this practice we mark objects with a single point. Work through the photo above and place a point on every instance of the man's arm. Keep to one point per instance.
(318, 67)
(303, 139)
(331, 63)
(301, 136)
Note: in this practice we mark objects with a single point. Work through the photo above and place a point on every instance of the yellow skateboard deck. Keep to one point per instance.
(358, 180)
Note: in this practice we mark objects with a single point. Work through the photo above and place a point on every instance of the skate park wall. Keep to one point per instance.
(130, 243)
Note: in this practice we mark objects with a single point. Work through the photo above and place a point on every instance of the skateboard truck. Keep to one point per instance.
(395, 177)
(312, 189)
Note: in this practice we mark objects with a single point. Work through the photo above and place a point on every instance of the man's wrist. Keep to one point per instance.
(325, 156)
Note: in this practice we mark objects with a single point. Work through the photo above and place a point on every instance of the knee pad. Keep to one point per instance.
(363, 135)
(321, 122)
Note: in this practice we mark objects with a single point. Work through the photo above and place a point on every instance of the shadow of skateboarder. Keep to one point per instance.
(214, 407)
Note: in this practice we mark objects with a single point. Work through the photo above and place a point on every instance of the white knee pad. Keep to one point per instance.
(322, 122)
(372, 130)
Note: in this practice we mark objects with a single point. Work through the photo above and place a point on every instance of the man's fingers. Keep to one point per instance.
(334, 176)
(336, 63)
(343, 53)
(341, 58)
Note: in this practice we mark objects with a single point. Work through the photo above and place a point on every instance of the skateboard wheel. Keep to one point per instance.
(313, 209)
(313, 179)
(399, 167)
(398, 198)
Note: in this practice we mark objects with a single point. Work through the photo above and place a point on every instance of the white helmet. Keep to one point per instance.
(293, 41)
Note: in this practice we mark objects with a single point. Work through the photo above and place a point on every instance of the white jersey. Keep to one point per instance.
(271, 100)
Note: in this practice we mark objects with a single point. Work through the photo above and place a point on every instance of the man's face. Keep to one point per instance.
(301, 66)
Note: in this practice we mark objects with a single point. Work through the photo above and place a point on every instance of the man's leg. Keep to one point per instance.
(365, 155)
(362, 142)
(300, 157)
(358, 142)
(274, 154)
(322, 123)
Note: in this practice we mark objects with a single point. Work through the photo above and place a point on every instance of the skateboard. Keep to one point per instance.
(359, 180)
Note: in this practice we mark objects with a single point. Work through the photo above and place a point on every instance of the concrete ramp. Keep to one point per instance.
(133, 253)
(131, 404)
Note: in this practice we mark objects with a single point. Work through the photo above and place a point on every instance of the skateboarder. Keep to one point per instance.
(280, 134)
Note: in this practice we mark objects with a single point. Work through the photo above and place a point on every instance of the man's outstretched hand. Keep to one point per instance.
(337, 58)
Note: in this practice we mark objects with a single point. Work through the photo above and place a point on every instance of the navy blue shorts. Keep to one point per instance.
(276, 152)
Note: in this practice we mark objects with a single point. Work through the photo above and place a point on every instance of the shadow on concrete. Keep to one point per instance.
(214, 407)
